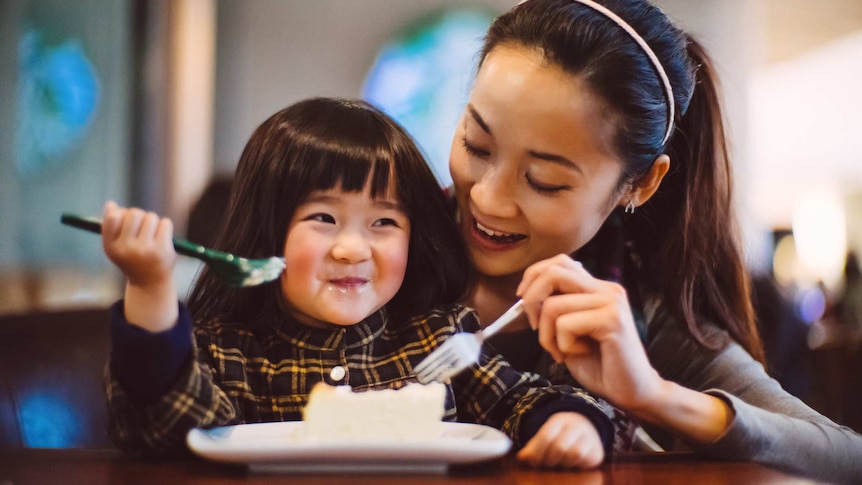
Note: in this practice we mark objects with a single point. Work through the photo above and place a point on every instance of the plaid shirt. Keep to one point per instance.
(241, 376)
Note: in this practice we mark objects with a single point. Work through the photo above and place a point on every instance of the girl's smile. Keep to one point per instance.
(349, 283)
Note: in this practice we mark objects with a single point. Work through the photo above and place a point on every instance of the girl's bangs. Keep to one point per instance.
(351, 173)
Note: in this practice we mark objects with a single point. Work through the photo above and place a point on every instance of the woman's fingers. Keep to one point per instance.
(558, 275)
(558, 340)
(541, 268)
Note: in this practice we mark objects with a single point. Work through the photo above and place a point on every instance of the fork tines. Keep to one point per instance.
(453, 356)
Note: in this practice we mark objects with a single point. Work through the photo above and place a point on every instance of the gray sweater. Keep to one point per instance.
(770, 425)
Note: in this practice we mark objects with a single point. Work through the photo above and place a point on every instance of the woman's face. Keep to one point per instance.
(532, 163)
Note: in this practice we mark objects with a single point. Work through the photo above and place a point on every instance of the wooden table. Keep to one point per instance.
(43, 466)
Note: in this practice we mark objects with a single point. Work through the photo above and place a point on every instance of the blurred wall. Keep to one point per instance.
(271, 53)
(74, 155)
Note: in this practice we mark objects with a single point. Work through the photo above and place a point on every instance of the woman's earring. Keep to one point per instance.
(630, 208)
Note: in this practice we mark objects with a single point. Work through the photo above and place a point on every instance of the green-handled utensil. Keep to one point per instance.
(233, 270)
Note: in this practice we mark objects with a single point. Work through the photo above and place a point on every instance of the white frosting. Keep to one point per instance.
(411, 413)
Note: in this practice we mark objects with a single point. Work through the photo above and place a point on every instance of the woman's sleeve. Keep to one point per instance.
(770, 426)
(151, 409)
(518, 403)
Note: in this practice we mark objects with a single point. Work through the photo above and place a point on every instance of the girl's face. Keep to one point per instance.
(532, 163)
(346, 255)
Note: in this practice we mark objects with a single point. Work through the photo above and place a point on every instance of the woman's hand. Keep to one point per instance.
(587, 323)
(141, 245)
(566, 440)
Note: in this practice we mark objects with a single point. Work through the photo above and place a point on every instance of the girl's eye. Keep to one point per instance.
(472, 150)
(545, 188)
(386, 222)
(321, 217)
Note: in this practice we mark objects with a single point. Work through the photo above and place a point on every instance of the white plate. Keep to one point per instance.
(282, 447)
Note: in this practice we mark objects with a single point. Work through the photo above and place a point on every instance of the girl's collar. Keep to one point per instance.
(336, 338)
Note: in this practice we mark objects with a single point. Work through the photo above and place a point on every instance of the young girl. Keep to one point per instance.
(374, 266)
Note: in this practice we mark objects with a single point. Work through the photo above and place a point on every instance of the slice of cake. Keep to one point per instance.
(411, 413)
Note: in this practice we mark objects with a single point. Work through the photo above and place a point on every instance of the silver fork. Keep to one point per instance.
(462, 349)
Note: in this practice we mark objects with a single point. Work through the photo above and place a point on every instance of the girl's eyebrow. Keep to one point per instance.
(549, 157)
(388, 204)
(320, 198)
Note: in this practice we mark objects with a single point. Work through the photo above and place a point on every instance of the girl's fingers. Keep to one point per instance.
(536, 449)
(131, 225)
(135, 228)
(565, 440)
(164, 234)
(148, 227)
(582, 454)
(112, 217)
(561, 450)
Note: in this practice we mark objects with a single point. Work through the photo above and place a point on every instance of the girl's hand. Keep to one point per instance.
(141, 245)
(566, 440)
(587, 323)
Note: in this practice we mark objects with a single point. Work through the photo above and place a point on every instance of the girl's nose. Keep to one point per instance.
(351, 247)
(493, 193)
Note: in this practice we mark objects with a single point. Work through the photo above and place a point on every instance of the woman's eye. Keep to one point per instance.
(545, 188)
(321, 217)
(472, 150)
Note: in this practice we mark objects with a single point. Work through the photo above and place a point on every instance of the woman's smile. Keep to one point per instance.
(493, 239)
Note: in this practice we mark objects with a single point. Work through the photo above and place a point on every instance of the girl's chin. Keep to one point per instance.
(330, 320)
(345, 320)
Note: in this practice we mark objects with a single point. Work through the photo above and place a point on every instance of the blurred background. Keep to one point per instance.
(150, 102)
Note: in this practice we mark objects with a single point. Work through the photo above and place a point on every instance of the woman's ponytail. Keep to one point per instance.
(698, 260)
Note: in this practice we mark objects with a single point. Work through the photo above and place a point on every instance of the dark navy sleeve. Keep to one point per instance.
(147, 364)
(541, 412)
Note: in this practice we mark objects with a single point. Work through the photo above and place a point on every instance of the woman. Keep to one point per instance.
(594, 130)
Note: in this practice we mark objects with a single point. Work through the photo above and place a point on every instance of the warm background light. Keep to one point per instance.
(820, 234)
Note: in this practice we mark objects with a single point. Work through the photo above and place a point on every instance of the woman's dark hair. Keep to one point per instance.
(686, 234)
(320, 144)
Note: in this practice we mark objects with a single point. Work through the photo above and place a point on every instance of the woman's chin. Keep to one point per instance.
(495, 265)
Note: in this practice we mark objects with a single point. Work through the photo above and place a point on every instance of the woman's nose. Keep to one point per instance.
(493, 193)
(351, 247)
